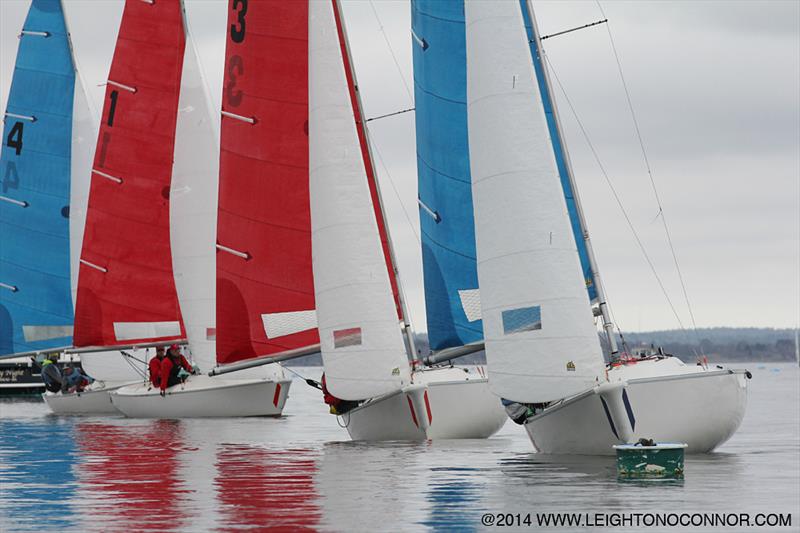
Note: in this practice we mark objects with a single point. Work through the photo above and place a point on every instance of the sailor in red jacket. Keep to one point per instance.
(171, 366)
(155, 366)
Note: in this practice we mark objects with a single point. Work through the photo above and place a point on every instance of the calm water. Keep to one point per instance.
(301, 472)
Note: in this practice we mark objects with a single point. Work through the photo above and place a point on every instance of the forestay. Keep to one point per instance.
(452, 298)
(126, 290)
(265, 288)
(193, 209)
(362, 347)
(540, 337)
(44, 148)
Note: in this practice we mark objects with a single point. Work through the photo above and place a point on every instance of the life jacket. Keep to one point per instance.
(329, 398)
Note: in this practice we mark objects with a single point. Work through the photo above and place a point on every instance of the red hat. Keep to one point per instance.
(173, 347)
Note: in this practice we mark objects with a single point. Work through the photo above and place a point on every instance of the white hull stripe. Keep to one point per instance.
(45, 333)
(281, 324)
(125, 331)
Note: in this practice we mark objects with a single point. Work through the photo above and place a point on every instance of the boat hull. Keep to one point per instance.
(89, 402)
(204, 397)
(461, 407)
(671, 402)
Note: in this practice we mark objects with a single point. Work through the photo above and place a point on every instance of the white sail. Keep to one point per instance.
(193, 210)
(541, 342)
(84, 135)
(362, 348)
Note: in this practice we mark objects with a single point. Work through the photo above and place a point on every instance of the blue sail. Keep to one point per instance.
(445, 193)
(558, 149)
(35, 299)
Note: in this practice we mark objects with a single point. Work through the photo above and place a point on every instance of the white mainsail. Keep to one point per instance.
(193, 209)
(361, 343)
(541, 342)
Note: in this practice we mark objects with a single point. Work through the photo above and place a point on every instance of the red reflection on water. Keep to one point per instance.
(130, 474)
(267, 489)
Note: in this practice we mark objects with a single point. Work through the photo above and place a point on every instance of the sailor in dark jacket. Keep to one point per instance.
(51, 375)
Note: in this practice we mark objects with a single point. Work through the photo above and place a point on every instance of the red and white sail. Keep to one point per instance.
(265, 288)
(126, 289)
(193, 209)
(362, 347)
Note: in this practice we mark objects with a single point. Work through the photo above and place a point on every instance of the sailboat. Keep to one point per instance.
(225, 270)
(46, 160)
(535, 264)
(359, 302)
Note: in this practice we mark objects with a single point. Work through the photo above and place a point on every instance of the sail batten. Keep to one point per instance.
(541, 342)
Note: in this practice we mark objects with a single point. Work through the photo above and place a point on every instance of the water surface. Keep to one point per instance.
(302, 472)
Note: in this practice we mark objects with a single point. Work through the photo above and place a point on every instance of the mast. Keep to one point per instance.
(608, 324)
(373, 177)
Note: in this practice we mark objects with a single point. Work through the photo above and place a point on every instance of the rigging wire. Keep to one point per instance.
(374, 146)
(614, 192)
(391, 51)
(650, 175)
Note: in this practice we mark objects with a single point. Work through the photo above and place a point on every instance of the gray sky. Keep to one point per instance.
(716, 88)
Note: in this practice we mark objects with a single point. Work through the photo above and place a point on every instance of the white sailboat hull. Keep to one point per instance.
(204, 397)
(461, 407)
(95, 401)
(670, 401)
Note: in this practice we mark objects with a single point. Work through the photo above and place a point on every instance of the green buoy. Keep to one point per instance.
(650, 460)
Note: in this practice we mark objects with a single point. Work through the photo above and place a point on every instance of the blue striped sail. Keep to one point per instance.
(558, 150)
(35, 298)
(445, 193)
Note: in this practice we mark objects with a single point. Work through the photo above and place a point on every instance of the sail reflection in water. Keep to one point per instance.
(130, 474)
(258, 487)
(36, 475)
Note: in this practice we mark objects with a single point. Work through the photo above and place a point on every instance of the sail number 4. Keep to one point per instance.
(14, 139)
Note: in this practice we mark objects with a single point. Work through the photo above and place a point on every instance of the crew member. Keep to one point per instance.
(75, 380)
(51, 375)
(171, 367)
(337, 405)
(154, 366)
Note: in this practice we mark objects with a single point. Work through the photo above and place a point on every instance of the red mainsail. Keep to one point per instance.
(265, 292)
(126, 289)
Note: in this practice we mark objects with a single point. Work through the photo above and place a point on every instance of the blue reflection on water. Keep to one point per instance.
(37, 482)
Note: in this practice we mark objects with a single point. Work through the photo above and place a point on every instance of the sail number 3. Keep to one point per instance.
(235, 63)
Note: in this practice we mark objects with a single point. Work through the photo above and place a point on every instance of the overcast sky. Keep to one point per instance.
(716, 89)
